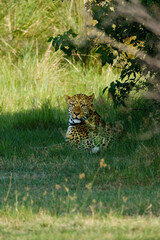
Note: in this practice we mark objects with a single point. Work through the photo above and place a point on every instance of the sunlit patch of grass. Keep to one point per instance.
(42, 225)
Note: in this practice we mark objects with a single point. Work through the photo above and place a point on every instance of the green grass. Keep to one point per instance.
(41, 193)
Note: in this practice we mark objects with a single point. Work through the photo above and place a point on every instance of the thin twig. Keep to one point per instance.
(9, 188)
(70, 10)
(71, 64)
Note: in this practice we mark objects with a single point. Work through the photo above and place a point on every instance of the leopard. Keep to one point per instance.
(86, 128)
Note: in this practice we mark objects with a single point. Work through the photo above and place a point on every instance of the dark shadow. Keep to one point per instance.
(34, 156)
(31, 129)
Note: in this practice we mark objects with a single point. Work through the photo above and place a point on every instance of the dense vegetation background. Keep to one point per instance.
(46, 187)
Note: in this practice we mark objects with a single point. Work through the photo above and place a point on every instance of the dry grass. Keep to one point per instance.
(43, 226)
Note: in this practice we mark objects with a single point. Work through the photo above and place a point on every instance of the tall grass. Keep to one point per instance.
(32, 80)
(31, 73)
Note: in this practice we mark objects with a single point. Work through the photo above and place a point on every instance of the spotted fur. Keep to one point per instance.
(86, 128)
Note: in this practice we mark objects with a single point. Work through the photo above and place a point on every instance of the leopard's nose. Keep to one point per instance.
(76, 114)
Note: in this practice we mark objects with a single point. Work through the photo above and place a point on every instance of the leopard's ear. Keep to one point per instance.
(91, 97)
(67, 97)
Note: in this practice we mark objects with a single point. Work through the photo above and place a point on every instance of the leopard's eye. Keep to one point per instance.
(83, 105)
(71, 103)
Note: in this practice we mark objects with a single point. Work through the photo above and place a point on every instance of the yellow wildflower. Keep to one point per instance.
(81, 176)
(57, 186)
(102, 163)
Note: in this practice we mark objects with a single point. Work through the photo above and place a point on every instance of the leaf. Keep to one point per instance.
(50, 39)
(104, 90)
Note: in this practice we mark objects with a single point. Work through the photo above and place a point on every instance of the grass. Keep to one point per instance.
(78, 227)
(47, 187)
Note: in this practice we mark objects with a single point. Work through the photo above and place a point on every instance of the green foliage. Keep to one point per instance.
(120, 27)
(107, 55)
(64, 42)
(119, 91)
(150, 3)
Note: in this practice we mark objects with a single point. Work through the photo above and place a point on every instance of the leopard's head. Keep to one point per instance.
(80, 107)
